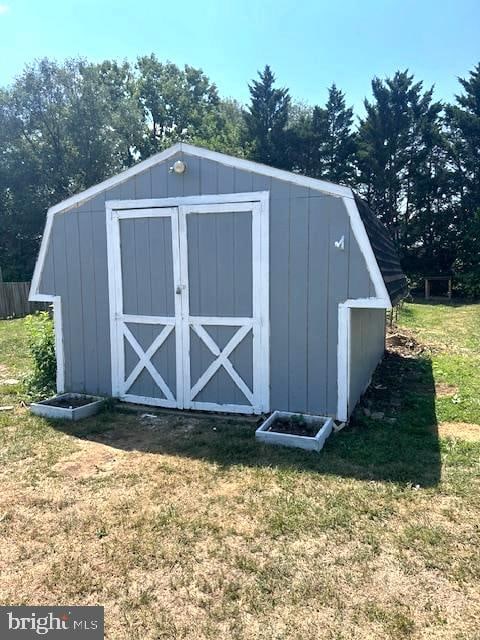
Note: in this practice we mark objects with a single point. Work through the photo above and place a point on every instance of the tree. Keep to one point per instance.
(266, 120)
(64, 128)
(463, 134)
(224, 130)
(178, 104)
(321, 142)
(332, 128)
(395, 141)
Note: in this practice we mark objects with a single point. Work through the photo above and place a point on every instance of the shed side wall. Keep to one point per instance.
(367, 346)
(309, 278)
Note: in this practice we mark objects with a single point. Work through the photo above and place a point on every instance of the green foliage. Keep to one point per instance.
(40, 383)
(321, 141)
(467, 285)
(397, 141)
(66, 126)
(266, 120)
(178, 104)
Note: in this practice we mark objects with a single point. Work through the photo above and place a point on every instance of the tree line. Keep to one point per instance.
(66, 126)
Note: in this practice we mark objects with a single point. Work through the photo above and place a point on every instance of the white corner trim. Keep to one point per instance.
(58, 327)
(367, 303)
(344, 351)
(59, 349)
(343, 361)
(34, 295)
(363, 241)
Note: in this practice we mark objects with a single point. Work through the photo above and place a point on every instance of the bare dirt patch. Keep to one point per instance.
(461, 430)
(444, 390)
(92, 459)
(404, 343)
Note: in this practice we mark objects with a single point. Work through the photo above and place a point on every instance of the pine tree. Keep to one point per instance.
(321, 141)
(332, 128)
(393, 149)
(266, 120)
(463, 131)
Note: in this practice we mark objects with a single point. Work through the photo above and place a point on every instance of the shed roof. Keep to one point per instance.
(385, 252)
(374, 240)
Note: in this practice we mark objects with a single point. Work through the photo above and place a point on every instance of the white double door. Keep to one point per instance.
(189, 305)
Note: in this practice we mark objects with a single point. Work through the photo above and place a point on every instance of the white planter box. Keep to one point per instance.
(312, 443)
(47, 410)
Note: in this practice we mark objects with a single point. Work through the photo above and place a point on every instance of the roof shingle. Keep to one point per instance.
(385, 253)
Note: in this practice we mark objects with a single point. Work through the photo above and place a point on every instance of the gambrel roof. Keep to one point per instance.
(373, 238)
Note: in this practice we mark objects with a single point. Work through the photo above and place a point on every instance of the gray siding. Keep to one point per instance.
(309, 277)
(367, 346)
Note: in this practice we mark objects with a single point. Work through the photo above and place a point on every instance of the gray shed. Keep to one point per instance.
(199, 280)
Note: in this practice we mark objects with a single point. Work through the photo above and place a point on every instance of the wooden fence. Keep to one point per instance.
(14, 300)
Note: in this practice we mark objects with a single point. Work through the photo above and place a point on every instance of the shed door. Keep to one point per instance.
(190, 325)
(146, 328)
(224, 273)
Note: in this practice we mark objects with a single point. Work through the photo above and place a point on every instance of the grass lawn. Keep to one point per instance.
(184, 527)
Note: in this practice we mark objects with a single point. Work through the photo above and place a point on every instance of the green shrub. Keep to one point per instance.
(41, 382)
(467, 285)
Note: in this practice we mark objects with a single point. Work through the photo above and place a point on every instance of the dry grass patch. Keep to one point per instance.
(445, 389)
(461, 430)
(182, 546)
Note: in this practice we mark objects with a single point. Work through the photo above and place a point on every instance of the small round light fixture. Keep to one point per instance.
(179, 167)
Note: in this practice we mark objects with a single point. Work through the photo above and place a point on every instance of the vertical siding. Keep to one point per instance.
(74, 301)
(101, 305)
(309, 277)
(298, 304)
(317, 311)
(279, 297)
(338, 268)
(89, 308)
(59, 249)
(367, 346)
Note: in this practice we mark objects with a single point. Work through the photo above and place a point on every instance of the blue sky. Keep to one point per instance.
(309, 44)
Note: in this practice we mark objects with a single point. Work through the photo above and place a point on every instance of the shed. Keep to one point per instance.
(199, 280)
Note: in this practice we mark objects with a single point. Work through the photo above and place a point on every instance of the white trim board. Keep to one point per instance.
(344, 351)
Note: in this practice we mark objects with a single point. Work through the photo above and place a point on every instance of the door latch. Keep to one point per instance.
(179, 289)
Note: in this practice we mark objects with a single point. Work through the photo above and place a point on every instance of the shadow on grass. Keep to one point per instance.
(400, 446)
